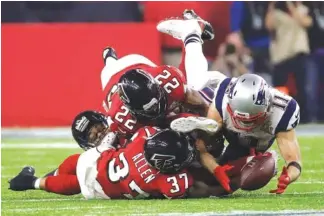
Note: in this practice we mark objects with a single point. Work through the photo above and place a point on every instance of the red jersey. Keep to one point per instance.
(124, 173)
(170, 79)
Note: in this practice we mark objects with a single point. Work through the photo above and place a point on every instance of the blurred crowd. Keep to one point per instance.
(281, 41)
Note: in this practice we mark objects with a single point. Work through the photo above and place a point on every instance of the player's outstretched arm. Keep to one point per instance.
(208, 161)
(289, 149)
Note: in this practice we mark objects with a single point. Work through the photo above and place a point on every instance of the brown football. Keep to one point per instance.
(257, 173)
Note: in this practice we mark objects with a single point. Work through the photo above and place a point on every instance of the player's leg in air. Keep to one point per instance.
(192, 30)
(113, 64)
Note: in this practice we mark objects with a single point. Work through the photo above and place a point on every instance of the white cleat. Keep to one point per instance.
(179, 28)
(188, 124)
(208, 31)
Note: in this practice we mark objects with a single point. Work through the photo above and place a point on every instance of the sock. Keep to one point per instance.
(192, 38)
(37, 183)
(195, 62)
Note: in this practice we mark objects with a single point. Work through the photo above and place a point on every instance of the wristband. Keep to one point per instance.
(295, 164)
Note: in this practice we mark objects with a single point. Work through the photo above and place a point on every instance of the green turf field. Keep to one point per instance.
(306, 194)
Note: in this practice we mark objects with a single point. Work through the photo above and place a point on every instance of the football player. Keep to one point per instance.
(138, 92)
(153, 165)
(251, 115)
(90, 129)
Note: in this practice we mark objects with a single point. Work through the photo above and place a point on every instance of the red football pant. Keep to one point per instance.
(66, 181)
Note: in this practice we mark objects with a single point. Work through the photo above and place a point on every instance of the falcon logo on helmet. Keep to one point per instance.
(162, 161)
(169, 151)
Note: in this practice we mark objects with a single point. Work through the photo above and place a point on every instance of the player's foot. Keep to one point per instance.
(180, 28)
(24, 180)
(109, 52)
(188, 124)
(208, 30)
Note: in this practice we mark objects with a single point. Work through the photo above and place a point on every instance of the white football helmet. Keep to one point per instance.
(249, 99)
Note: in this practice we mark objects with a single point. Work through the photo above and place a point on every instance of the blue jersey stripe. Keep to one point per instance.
(284, 121)
(205, 97)
(220, 95)
(207, 93)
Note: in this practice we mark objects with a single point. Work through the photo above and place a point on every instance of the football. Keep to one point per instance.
(257, 173)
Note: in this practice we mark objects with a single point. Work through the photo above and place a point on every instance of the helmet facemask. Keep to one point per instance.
(244, 121)
(155, 109)
(100, 133)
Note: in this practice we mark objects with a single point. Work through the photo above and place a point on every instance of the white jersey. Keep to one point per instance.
(87, 169)
(283, 115)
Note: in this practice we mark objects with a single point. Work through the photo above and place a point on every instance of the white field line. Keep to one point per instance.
(41, 200)
(111, 210)
(82, 199)
(309, 182)
(58, 208)
(313, 171)
(243, 212)
(56, 145)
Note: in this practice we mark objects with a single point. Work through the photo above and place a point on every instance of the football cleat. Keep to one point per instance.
(188, 124)
(109, 52)
(208, 30)
(24, 180)
(180, 28)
